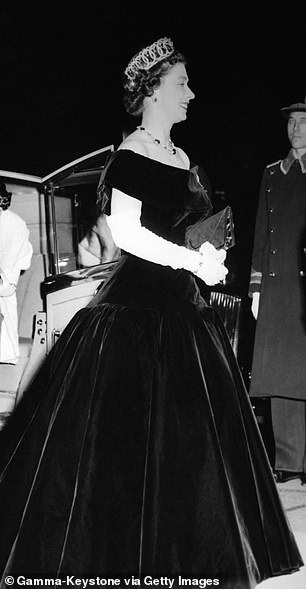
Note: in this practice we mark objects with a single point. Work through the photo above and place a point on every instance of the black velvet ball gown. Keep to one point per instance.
(135, 450)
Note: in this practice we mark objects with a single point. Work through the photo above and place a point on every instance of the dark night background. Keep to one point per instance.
(61, 65)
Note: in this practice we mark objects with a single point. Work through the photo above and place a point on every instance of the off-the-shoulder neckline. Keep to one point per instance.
(155, 162)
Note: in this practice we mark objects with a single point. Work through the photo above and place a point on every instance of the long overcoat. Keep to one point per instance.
(278, 272)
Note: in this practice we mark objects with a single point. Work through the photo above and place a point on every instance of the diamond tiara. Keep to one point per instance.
(149, 56)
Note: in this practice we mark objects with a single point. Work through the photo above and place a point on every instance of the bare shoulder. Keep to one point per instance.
(133, 143)
(183, 156)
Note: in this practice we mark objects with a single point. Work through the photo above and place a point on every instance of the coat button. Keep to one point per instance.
(268, 189)
(271, 230)
(273, 252)
(272, 274)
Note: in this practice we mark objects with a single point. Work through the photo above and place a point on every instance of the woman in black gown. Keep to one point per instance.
(135, 450)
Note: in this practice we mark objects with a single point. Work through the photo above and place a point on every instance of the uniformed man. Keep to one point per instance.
(277, 287)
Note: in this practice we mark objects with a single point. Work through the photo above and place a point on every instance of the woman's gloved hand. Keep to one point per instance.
(211, 267)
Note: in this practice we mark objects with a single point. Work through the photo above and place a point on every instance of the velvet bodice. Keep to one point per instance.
(172, 199)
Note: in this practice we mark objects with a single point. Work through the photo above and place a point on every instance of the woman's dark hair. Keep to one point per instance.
(145, 82)
(5, 197)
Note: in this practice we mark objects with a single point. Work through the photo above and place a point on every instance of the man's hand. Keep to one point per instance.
(255, 304)
(6, 289)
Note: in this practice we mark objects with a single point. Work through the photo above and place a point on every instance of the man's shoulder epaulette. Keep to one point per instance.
(274, 164)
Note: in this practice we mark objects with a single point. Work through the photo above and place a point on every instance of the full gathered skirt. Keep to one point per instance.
(136, 452)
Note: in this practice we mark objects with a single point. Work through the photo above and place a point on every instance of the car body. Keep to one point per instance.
(66, 268)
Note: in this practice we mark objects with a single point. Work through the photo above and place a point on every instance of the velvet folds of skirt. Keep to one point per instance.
(136, 452)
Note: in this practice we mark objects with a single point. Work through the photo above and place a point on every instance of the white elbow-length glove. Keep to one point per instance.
(129, 235)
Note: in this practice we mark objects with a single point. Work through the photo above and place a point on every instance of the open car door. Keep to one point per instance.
(69, 261)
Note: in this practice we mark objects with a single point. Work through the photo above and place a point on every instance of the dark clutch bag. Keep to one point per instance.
(217, 229)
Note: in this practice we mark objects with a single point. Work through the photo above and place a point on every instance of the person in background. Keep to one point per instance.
(15, 255)
(97, 245)
(277, 288)
(135, 448)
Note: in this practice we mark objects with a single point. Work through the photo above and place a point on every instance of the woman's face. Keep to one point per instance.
(173, 95)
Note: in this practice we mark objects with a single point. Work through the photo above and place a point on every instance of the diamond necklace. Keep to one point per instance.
(170, 150)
